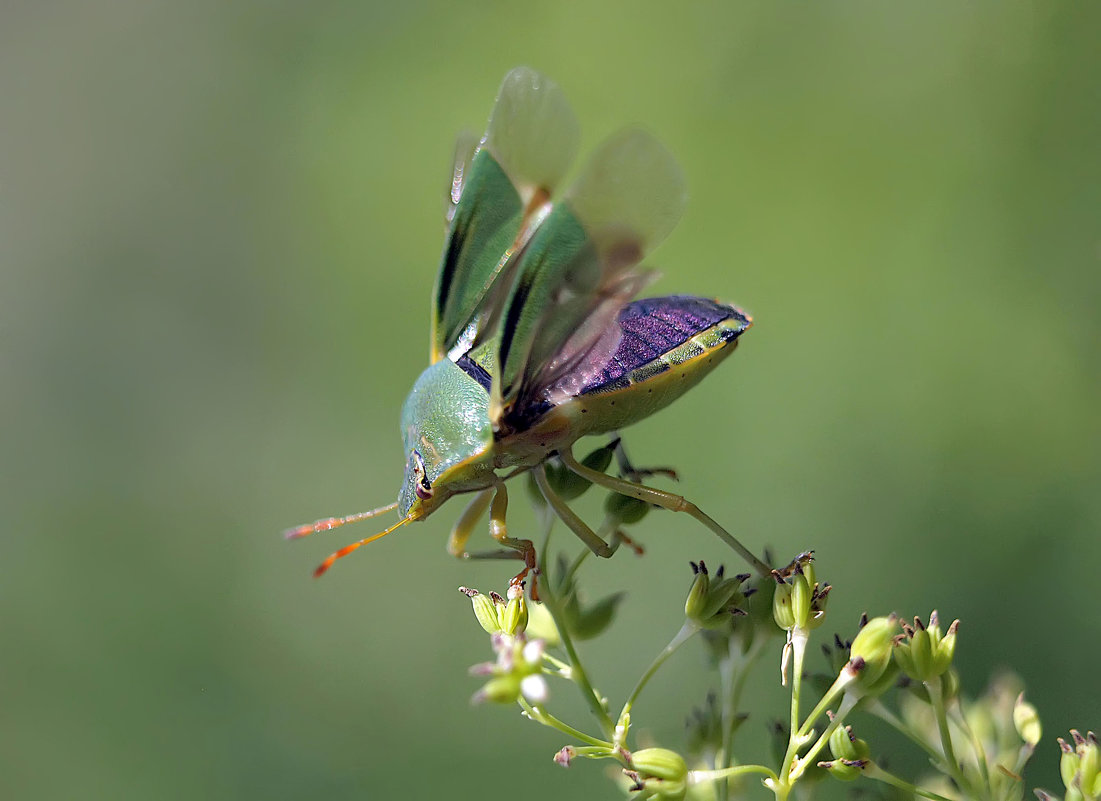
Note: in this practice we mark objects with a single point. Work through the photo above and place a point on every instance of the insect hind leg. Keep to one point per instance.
(666, 500)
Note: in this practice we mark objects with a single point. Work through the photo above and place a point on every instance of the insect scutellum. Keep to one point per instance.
(535, 339)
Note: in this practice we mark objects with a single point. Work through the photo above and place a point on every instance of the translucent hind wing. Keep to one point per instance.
(578, 269)
(532, 132)
(530, 141)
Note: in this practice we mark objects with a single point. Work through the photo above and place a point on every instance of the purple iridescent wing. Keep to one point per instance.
(653, 328)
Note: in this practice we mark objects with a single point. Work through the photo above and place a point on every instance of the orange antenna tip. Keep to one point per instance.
(347, 549)
(321, 568)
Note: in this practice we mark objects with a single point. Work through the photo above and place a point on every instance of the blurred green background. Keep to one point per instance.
(219, 226)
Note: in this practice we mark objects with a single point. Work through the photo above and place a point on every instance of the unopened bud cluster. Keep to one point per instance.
(518, 670)
(800, 600)
(713, 599)
(498, 615)
(850, 755)
(922, 651)
(1080, 767)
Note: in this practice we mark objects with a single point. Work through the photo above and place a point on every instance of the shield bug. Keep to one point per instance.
(535, 340)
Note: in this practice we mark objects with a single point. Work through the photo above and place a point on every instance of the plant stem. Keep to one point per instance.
(679, 639)
(558, 663)
(733, 681)
(879, 709)
(873, 771)
(540, 715)
(976, 745)
(848, 703)
(700, 776)
(838, 687)
(577, 670)
(799, 637)
(936, 696)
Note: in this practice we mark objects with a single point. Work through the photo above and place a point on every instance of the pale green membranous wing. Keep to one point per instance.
(578, 269)
(496, 190)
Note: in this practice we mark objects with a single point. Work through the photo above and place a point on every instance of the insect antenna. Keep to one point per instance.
(347, 549)
(335, 522)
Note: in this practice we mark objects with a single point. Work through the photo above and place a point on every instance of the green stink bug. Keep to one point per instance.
(535, 340)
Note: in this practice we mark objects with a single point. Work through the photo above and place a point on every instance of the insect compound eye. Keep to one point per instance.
(423, 487)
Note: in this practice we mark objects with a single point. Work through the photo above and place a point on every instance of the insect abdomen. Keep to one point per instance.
(659, 333)
(669, 344)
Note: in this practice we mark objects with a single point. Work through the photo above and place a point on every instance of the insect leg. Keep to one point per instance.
(632, 473)
(514, 548)
(666, 500)
(525, 549)
(572, 521)
(464, 526)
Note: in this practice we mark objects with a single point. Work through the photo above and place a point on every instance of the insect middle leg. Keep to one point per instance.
(578, 526)
(665, 500)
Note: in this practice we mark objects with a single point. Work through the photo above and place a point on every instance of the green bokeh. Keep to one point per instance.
(219, 224)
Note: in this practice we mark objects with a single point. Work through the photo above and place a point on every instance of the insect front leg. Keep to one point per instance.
(591, 539)
(464, 526)
(524, 549)
(666, 500)
(496, 500)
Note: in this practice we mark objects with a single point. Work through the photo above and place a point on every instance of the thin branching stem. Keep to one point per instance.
(540, 715)
(679, 639)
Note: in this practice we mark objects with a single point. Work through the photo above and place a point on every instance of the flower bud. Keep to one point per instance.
(870, 654)
(710, 602)
(498, 690)
(659, 773)
(781, 607)
(625, 509)
(845, 769)
(541, 624)
(514, 615)
(568, 484)
(660, 763)
(1027, 721)
(485, 610)
(697, 594)
(565, 755)
(846, 745)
